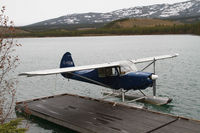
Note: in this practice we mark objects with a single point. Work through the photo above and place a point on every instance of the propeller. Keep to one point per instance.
(153, 77)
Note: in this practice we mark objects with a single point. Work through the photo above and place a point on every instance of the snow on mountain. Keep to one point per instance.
(174, 10)
(183, 9)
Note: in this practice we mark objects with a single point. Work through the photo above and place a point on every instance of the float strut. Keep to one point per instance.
(123, 95)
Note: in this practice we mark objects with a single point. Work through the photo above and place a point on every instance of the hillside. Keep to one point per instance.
(61, 27)
(187, 20)
(140, 22)
(16, 31)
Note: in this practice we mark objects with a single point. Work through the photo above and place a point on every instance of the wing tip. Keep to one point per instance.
(176, 54)
(23, 74)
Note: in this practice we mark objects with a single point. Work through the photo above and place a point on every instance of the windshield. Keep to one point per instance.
(128, 67)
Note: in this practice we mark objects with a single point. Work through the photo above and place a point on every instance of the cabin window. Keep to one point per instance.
(109, 71)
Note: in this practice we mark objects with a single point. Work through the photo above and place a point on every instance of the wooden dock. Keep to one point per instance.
(88, 115)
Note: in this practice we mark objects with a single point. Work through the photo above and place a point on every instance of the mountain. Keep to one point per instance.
(178, 10)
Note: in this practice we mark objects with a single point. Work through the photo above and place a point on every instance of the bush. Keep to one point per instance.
(12, 127)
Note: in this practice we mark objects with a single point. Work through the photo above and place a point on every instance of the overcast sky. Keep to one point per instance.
(24, 12)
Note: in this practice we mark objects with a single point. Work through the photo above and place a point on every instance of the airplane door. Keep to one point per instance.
(109, 76)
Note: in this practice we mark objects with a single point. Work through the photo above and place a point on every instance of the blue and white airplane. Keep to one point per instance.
(115, 75)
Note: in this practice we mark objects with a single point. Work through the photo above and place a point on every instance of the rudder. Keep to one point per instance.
(67, 60)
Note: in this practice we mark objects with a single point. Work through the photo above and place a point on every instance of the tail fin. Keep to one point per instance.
(67, 60)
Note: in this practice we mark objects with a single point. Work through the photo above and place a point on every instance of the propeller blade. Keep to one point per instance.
(154, 87)
(154, 78)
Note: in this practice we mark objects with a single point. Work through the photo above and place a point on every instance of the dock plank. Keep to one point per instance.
(84, 114)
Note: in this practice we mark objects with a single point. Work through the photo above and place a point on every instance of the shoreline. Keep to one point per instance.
(101, 35)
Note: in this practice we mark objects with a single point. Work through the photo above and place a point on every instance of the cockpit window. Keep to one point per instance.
(109, 71)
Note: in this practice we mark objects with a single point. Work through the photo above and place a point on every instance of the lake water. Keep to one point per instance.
(178, 77)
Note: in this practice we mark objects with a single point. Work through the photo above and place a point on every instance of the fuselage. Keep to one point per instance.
(131, 80)
(115, 75)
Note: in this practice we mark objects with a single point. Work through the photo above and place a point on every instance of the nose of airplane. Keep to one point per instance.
(154, 77)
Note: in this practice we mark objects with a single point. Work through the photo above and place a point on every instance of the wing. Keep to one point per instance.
(87, 67)
(68, 69)
(154, 58)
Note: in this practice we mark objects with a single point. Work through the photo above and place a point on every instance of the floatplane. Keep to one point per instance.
(120, 75)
